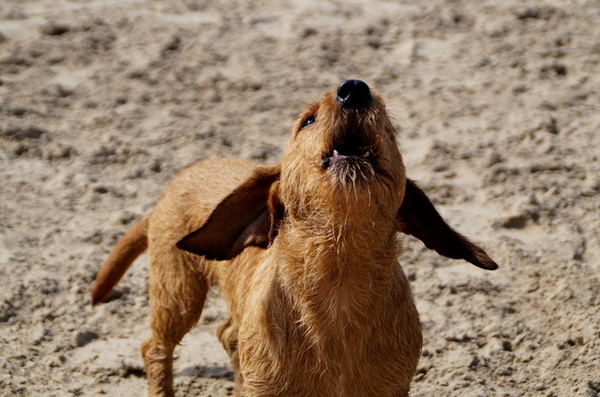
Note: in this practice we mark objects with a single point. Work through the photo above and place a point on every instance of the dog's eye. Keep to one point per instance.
(307, 121)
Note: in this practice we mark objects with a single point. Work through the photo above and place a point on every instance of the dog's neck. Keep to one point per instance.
(341, 287)
(339, 263)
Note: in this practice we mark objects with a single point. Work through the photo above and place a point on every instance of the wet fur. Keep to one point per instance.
(305, 255)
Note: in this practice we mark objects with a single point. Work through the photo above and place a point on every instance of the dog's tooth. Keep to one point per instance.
(335, 153)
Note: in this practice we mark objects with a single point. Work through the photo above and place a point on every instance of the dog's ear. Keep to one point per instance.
(418, 217)
(249, 216)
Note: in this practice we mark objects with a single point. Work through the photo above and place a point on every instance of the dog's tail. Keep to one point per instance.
(130, 246)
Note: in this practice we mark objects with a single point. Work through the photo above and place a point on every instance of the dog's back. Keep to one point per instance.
(185, 205)
(192, 196)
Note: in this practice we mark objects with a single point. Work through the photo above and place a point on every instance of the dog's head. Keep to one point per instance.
(342, 161)
(342, 168)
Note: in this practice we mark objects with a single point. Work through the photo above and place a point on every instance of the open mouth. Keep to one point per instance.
(353, 150)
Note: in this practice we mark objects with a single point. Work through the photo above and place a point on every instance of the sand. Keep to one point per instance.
(101, 102)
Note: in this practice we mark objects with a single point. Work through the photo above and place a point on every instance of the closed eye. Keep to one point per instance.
(308, 121)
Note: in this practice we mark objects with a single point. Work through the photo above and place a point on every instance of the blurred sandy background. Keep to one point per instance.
(101, 102)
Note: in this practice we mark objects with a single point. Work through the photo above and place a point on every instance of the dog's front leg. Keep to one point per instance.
(228, 335)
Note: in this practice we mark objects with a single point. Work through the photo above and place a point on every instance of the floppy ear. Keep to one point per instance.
(249, 216)
(418, 217)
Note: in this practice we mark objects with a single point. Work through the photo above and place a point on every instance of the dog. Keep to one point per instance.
(305, 254)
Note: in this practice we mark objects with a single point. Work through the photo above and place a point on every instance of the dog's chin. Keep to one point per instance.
(352, 156)
(354, 169)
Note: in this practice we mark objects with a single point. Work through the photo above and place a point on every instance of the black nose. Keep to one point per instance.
(354, 94)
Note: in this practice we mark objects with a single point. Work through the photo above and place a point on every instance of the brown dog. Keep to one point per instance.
(304, 252)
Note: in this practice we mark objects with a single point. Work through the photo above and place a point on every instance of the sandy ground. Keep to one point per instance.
(101, 102)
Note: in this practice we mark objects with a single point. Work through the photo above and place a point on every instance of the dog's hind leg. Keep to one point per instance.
(177, 294)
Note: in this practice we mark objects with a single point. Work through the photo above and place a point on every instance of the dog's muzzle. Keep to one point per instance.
(351, 152)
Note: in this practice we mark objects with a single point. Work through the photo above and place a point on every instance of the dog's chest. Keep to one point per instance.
(327, 350)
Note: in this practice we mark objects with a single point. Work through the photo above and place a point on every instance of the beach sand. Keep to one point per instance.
(102, 102)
